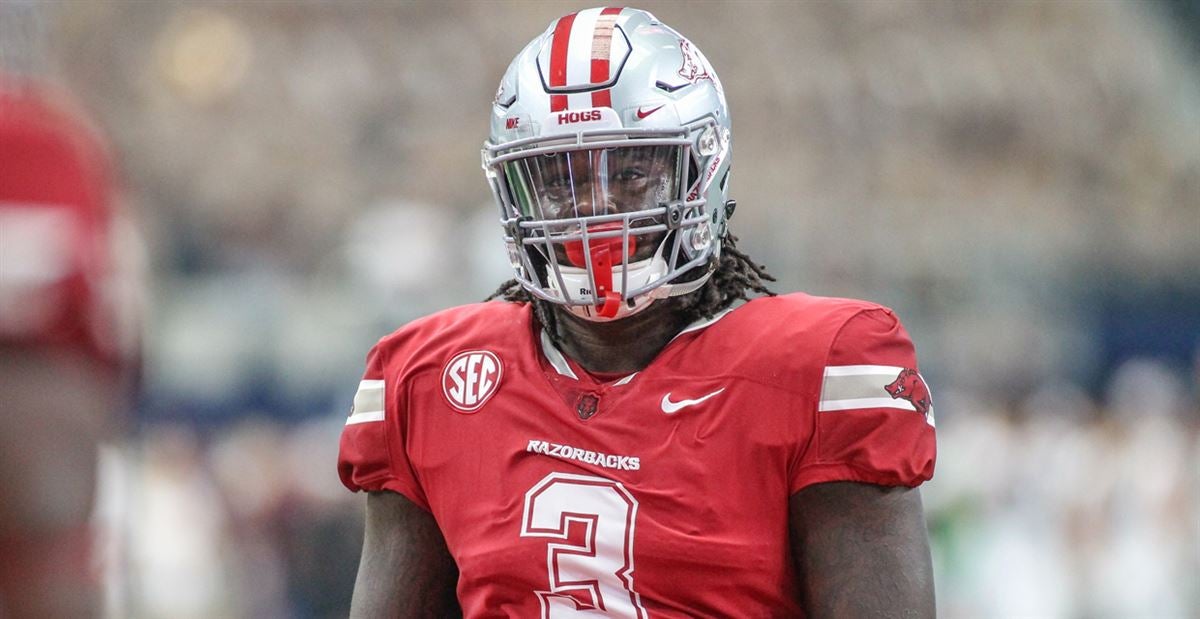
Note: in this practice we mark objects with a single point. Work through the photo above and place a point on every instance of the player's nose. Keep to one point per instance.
(590, 200)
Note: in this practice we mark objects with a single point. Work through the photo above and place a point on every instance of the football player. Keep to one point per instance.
(622, 433)
(65, 349)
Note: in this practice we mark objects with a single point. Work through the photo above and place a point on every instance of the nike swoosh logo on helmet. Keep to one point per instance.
(670, 407)
(641, 115)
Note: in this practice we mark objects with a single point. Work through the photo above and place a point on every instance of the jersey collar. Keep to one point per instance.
(557, 360)
(562, 365)
(703, 323)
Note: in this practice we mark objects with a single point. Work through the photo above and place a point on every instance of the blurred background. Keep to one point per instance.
(1021, 181)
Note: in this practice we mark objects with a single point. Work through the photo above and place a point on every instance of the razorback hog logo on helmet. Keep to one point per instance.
(693, 69)
(470, 379)
(910, 386)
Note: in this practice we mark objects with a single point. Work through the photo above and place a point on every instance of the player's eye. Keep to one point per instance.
(557, 180)
(629, 174)
(558, 183)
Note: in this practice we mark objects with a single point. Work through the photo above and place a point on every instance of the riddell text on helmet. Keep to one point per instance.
(566, 452)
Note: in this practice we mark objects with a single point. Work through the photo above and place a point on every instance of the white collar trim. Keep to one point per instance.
(704, 322)
(556, 358)
(625, 381)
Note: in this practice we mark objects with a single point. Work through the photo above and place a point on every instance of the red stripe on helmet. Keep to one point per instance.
(601, 51)
(602, 98)
(558, 60)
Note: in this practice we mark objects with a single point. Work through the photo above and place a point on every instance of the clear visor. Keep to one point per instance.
(566, 191)
(585, 183)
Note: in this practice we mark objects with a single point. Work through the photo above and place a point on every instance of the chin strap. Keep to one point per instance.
(602, 253)
(675, 290)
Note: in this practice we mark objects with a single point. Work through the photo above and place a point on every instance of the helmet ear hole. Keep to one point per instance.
(693, 173)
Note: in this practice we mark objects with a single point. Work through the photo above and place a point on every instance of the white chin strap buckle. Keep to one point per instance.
(639, 274)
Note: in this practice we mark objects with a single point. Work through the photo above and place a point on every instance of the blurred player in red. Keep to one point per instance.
(64, 350)
(621, 435)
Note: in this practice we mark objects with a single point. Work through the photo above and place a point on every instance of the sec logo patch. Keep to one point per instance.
(470, 379)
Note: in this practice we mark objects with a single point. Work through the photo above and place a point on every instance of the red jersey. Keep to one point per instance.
(659, 494)
(59, 281)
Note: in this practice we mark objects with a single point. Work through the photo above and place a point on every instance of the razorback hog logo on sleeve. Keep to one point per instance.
(470, 379)
(910, 386)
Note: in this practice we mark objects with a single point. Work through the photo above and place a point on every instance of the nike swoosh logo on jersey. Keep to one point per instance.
(670, 407)
(641, 115)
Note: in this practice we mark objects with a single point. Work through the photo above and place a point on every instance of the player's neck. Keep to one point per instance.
(621, 346)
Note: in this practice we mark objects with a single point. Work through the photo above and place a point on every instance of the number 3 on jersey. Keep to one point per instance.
(595, 577)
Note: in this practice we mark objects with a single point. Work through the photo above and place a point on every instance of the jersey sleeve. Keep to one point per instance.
(372, 455)
(873, 421)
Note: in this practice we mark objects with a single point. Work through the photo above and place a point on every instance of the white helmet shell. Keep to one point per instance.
(611, 80)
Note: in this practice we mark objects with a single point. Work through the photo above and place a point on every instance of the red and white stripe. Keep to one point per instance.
(581, 53)
(368, 403)
(851, 387)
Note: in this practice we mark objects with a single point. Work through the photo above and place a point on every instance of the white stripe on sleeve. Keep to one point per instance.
(862, 370)
(368, 403)
(850, 387)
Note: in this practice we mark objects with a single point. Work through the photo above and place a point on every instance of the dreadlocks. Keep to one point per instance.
(736, 277)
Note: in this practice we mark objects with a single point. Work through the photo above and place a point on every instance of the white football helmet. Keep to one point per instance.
(609, 159)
